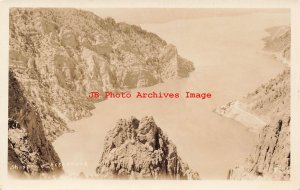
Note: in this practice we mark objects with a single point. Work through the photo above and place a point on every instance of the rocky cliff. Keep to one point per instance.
(29, 152)
(59, 56)
(271, 159)
(270, 104)
(278, 43)
(267, 111)
(263, 105)
(140, 150)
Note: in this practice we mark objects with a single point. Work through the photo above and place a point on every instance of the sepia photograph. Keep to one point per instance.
(149, 93)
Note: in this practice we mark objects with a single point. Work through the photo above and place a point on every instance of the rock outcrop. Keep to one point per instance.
(278, 43)
(262, 106)
(267, 111)
(271, 159)
(30, 154)
(60, 55)
(140, 150)
(269, 104)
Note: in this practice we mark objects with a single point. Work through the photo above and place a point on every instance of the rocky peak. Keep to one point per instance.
(139, 149)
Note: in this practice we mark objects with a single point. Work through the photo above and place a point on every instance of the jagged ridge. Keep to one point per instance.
(139, 149)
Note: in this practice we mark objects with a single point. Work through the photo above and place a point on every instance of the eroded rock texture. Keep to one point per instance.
(60, 55)
(30, 154)
(263, 105)
(140, 150)
(278, 43)
(269, 104)
(271, 159)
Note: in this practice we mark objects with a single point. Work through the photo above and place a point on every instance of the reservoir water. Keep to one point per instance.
(228, 64)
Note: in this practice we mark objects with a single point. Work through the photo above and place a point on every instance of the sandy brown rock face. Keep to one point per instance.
(263, 105)
(271, 159)
(278, 43)
(60, 55)
(140, 150)
(267, 111)
(30, 154)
